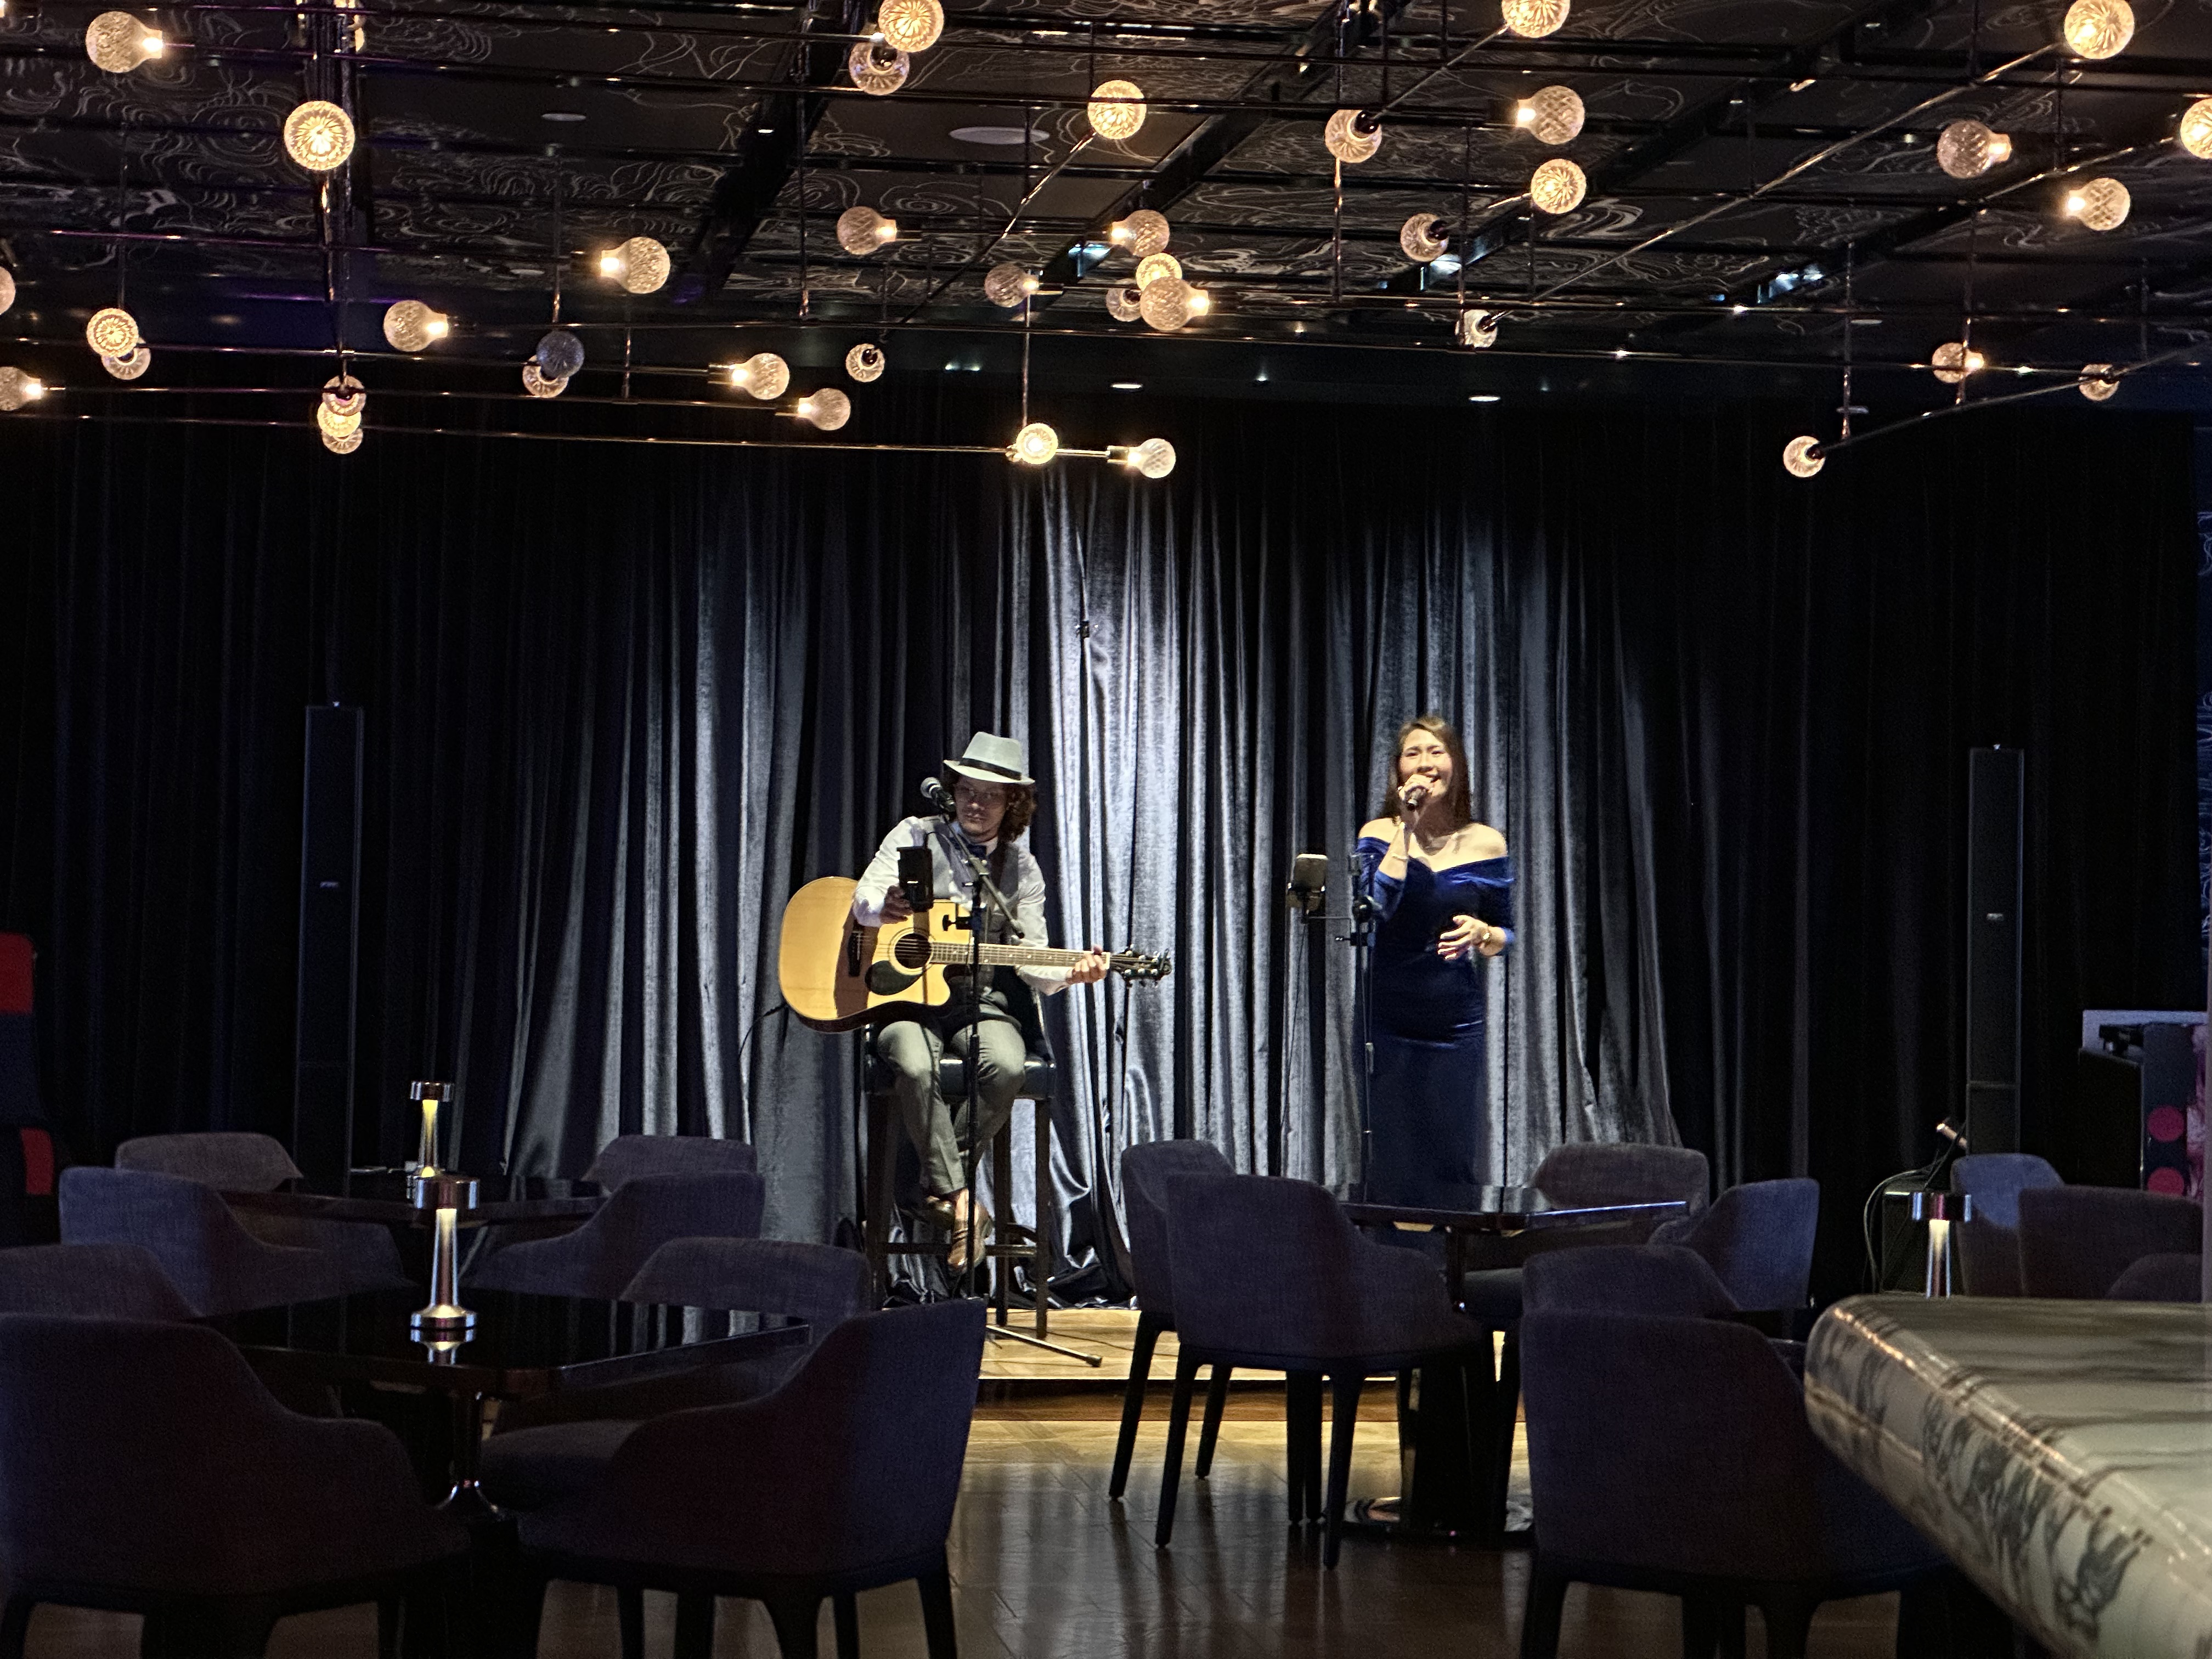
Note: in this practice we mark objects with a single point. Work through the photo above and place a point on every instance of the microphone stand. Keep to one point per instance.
(985, 892)
(1310, 903)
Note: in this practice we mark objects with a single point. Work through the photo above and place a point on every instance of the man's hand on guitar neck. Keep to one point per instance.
(1088, 968)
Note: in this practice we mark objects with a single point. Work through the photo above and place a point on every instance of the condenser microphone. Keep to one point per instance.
(938, 797)
(1309, 887)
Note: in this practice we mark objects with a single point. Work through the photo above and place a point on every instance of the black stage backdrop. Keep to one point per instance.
(622, 700)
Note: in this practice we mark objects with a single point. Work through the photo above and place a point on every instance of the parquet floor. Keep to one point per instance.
(1046, 1567)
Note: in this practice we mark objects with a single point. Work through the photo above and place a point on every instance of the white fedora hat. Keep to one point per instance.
(992, 759)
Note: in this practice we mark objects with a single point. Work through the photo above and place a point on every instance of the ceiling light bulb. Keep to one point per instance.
(344, 395)
(410, 325)
(1125, 303)
(1558, 186)
(645, 265)
(132, 364)
(610, 263)
(2197, 129)
(865, 363)
(334, 424)
(2098, 382)
(2099, 203)
(16, 389)
(1144, 233)
(440, 325)
(116, 42)
(1418, 237)
(1034, 445)
(910, 24)
(878, 68)
(318, 135)
(764, 374)
(1117, 109)
(1553, 115)
(1201, 301)
(1800, 457)
(828, 409)
(1353, 135)
(862, 230)
(1166, 303)
(560, 354)
(1967, 149)
(1007, 285)
(1951, 362)
(7, 287)
(1155, 458)
(2099, 28)
(539, 384)
(342, 443)
(1532, 20)
(1154, 266)
(1477, 329)
(112, 332)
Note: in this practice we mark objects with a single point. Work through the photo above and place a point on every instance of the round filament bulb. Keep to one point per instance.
(1034, 444)
(1117, 109)
(318, 135)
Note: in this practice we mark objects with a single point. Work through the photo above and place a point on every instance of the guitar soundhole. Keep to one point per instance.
(911, 950)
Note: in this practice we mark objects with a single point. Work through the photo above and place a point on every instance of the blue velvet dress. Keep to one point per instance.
(1428, 1106)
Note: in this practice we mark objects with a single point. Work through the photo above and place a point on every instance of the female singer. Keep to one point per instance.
(1443, 887)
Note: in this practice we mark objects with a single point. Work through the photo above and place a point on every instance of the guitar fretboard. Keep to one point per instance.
(954, 954)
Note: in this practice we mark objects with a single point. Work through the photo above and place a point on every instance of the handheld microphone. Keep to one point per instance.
(938, 797)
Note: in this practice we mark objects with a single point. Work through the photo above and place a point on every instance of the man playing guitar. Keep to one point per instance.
(995, 799)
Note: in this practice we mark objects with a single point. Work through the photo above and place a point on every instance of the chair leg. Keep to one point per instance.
(1346, 1388)
(1508, 1399)
(794, 1617)
(846, 1611)
(1209, 1431)
(1187, 1364)
(15, 1626)
(1304, 1406)
(387, 1625)
(1547, 1607)
(1705, 1622)
(695, 1625)
(1149, 1327)
(1789, 1625)
(936, 1587)
(629, 1616)
(528, 1612)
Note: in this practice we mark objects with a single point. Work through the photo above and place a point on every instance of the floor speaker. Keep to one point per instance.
(1995, 782)
(329, 926)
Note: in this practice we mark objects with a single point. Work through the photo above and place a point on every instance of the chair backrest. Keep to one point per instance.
(1996, 1180)
(1626, 1278)
(1624, 1172)
(2075, 1242)
(603, 1256)
(1146, 1169)
(97, 1281)
(1260, 1264)
(626, 1157)
(208, 1254)
(854, 1462)
(2169, 1276)
(818, 1284)
(233, 1160)
(1758, 1237)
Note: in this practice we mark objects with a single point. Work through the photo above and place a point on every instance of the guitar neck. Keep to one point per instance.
(953, 953)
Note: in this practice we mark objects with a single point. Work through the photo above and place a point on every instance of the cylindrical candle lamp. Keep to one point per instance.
(444, 1320)
(1939, 1210)
(429, 1095)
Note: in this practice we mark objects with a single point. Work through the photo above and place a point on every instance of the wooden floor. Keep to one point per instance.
(1047, 1567)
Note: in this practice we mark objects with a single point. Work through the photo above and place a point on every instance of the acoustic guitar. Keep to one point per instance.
(837, 975)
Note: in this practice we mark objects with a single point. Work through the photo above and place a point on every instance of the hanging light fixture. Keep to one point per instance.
(1558, 186)
(539, 384)
(132, 364)
(1532, 20)
(560, 354)
(410, 325)
(342, 443)
(865, 363)
(2099, 28)
(1154, 266)
(1167, 303)
(1952, 361)
(1155, 458)
(2099, 203)
(764, 374)
(1144, 233)
(1418, 237)
(112, 332)
(318, 135)
(1353, 135)
(828, 409)
(1125, 303)
(1553, 115)
(910, 24)
(640, 265)
(7, 287)
(1009, 285)
(2098, 382)
(118, 42)
(1967, 149)
(17, 388)
(877, 68)
(1117, 109)
(1034, 445)
(339, 409)
(1477, 329)
(2197, 129)
(862, 230)
(1800, 457)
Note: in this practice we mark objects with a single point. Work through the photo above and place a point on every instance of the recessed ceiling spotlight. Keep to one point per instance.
(1482, 396)
(1003, 137)
(1128, 386)
(560, 115)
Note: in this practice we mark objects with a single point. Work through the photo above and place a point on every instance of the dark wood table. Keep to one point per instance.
(381, 1195)
(1455, 1421)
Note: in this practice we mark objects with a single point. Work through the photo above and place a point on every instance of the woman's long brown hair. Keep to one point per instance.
(1458, 800)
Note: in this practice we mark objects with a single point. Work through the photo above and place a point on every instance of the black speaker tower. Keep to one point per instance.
(330, 925)
(1995, 783)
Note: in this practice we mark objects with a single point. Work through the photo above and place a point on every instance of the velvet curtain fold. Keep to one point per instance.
(621, 702)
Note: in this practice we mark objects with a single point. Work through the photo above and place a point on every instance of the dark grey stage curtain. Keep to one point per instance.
(621, 701)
